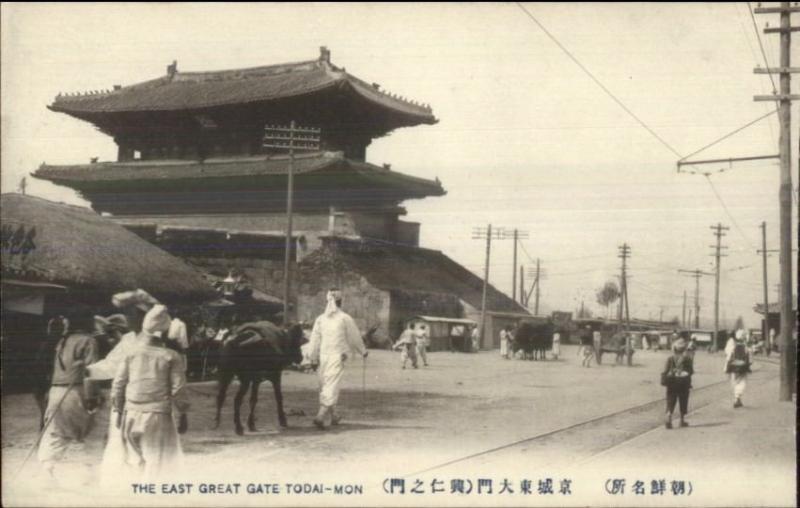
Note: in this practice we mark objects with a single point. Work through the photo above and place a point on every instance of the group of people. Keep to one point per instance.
(147, 402)
(413, 344)
(679, 368)
(147, 374)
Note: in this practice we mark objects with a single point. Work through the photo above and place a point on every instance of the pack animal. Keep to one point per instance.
(256, 351)
(533, 339)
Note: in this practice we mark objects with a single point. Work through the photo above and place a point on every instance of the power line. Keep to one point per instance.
(761, 45)
(726, 136)
(728, 212)
(598, 83)
(625, 108)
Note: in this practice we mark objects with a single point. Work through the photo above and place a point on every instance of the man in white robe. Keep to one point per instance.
(134, 304)
(334, 338)
(148, 387)
(737, 365)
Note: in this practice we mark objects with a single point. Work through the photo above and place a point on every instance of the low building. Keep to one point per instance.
(56, 255)
(384, 285)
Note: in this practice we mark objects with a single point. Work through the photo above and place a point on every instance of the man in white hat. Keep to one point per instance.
(149, 383)
(334, 338)
(737, 365)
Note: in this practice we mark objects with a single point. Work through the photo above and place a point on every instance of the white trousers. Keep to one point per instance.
(739, 383)
(330, 371)
(152, 446)
(70, 422)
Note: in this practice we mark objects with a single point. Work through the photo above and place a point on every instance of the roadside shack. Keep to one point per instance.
(56, 255)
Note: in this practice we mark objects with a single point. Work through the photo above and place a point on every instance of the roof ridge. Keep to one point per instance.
(228, 74)
(50, 202)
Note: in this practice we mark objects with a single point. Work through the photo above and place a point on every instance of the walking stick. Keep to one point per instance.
(41, 432)
(363, 384)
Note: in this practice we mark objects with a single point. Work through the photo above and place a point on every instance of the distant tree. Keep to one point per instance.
(608, 294)
(739, 323)
(585, 313)
(676, 321)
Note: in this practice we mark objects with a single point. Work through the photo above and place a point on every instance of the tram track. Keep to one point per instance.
(632, 422)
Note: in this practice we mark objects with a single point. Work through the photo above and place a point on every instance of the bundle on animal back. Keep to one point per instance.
(258, 350)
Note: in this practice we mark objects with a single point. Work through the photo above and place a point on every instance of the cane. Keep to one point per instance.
(363, 385)
(41, 432)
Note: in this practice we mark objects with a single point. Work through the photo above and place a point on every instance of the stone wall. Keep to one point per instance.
(367, 305)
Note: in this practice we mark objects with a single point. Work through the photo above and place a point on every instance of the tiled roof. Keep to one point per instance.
(75, 175)
(198, 90)
(398, 267)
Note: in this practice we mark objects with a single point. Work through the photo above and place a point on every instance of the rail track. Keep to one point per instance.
(701, 398)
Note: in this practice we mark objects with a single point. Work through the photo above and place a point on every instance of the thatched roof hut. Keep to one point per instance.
(49, 242)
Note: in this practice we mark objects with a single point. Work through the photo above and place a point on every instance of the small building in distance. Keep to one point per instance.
(193, 177)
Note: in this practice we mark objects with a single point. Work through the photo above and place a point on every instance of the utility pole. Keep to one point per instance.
(624, 253)
(291, 138)
(538, 286)
(785, 98)
(488, 234)
(718, 232)
(23, 185)
(522, 299)
(538, 274)
(683, 316)
(517, 235)
(763, 252)
(696, 274)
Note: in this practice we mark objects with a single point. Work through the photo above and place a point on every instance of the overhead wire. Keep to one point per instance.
(625, 108)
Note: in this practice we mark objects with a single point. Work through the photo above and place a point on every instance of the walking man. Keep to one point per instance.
(149, 382)
(407, 345)
(737, 365)
(334, 338)
(68, 417)
(423, 341)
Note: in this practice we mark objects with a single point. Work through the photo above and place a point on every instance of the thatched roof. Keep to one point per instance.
(57, 243)
(402, 268)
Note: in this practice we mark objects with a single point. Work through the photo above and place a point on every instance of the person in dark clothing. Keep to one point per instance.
(677, 378)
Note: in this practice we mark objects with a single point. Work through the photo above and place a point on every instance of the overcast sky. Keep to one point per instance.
(525, 138)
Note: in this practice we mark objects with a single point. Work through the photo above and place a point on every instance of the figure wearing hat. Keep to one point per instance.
(133, 305)
(67, 417)
(334, 338)
(677, 378)
(737, 365)
(149, 383)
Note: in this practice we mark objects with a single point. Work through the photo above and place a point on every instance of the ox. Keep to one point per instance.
(533, 339)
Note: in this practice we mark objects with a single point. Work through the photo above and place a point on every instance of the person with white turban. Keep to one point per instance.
(149, 384)
(334, 338)
(737, 365)
(134, 305)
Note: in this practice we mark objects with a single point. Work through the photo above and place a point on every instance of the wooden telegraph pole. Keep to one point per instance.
(683, 316)
(488, 234)
(292, 139)
(696, 274)
(624, 254)
(784, 98)
(718, 232)
(763, 252)
(516, 235)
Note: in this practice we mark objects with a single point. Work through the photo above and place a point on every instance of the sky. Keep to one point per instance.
(525, 138)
